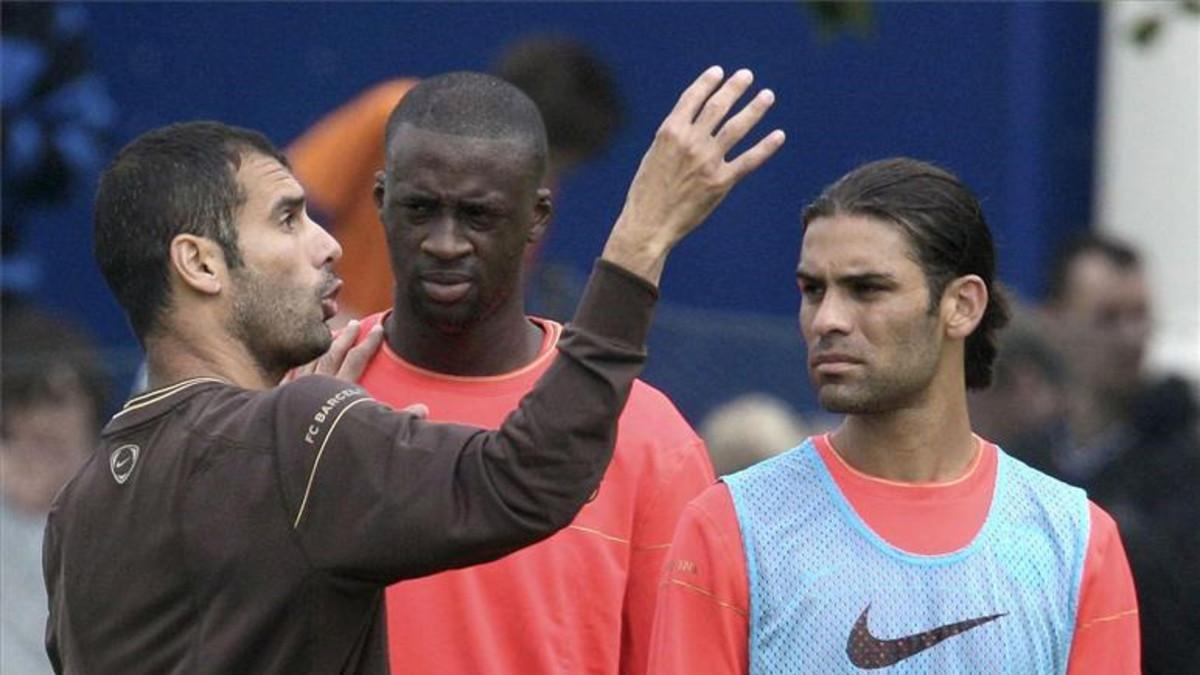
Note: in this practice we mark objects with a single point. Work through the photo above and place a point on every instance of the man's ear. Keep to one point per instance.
(963, 303)
(543, 211)
(378, 191)
(199, 263)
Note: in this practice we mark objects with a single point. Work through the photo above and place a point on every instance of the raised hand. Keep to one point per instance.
(686, 173)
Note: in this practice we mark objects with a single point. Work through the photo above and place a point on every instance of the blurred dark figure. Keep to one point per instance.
(1129, 438)
(54, 123)
(55, 117)
(574, 92)
(336, 159)
(1023, 411)
(53, 388)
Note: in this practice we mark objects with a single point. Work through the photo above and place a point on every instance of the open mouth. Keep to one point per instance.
(329, 304)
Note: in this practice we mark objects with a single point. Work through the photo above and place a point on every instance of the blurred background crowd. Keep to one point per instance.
(1078, 124)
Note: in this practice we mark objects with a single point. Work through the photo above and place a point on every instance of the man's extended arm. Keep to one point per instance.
(380, 496)
(445, 495)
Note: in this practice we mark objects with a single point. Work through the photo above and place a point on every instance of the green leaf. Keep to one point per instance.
(1146, 30)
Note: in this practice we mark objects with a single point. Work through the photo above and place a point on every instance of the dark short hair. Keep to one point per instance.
(1119, 253)
(34, 347)
(475, 105)
(572, 88)
(177, 179)
(947, 232)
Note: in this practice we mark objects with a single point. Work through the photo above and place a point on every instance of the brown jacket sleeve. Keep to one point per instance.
(377, 495)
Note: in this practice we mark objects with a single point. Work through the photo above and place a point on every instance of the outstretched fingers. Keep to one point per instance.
(757, 155)
(720, 103)
(685, 174)
(736, 128)
(693, 98)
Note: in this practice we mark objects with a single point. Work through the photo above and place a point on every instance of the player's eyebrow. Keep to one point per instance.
(287, 204)
(805, 277)
(880, 278)
(410, 190)
(490, 201)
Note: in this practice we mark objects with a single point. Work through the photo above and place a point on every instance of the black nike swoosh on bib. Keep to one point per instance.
(869, 652)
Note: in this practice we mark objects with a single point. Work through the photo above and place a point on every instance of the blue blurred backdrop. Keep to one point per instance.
(1003, 94)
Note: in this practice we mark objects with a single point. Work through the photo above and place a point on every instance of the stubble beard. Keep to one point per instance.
(897, 387)
(871, 397)
(272, 321)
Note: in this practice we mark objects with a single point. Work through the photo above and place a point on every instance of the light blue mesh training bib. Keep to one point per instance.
(828, 595)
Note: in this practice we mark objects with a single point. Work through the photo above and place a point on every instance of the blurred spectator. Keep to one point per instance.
(53, 389)
(749, 429)
(336, 159)
(1023, 409)
(1129, 438)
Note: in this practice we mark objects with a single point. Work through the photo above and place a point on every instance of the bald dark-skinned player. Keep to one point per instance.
(227, 525)
(337, 157)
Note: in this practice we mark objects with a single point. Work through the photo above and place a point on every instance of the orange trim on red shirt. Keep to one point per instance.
(900, 512)
(551, 331)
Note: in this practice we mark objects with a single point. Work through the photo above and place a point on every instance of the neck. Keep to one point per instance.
(499, 344)
(928, 442)
(178, 355)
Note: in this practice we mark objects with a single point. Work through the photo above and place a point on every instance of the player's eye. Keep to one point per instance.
(478, 217)
(418, 209)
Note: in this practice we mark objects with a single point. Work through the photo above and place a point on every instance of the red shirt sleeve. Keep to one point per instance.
(690, 472)
(1106, 641)
(702, 622)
